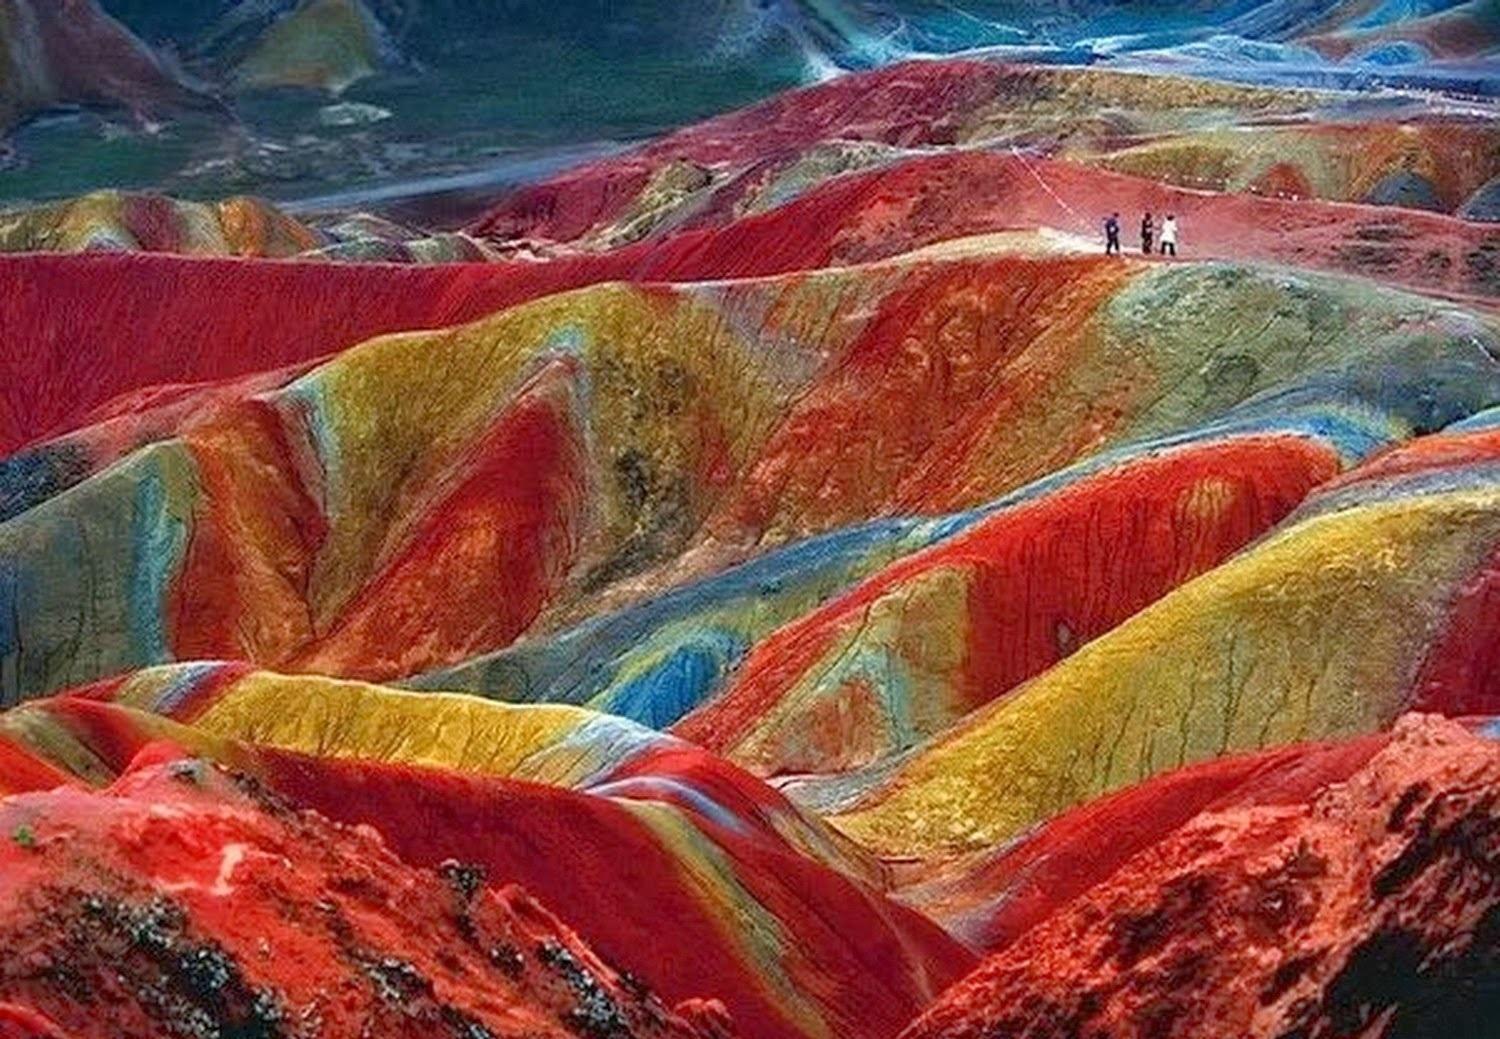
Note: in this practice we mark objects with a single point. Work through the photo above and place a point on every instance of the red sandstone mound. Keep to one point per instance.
(176, 904)
(885, 161)
(1014, 576)
(908, 105)
(90, 328)
(656, 867)
(992, 900)
(1369, 908)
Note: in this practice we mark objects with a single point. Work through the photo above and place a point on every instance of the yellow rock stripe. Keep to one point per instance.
(1315, 633)
(338, 719)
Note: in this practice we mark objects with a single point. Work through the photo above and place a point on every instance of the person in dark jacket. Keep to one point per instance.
(1148, 233)
(1112, 236)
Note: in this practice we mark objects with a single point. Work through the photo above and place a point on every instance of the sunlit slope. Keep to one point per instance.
(931, 152)
(157, 905)
(907, 652)
(116, 221)
(1431, 164)
(658, 660)
(1318, 631)
(1260, 161)
(994, 897)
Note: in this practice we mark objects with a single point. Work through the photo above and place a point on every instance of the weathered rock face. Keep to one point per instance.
(240, 226)
(320, 44)
(1370, 909)
(117, 221)
(614, 425)
(177, 903)
(819, 444)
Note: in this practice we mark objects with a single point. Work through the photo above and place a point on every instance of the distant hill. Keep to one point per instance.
(445, 86)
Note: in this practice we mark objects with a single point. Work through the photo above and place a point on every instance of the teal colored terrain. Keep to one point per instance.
(388, 96)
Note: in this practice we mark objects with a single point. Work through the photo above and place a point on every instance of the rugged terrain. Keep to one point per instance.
(778, 580)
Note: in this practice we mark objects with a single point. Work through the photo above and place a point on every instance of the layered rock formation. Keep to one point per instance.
(678, 868)
(178, 903)
(804, 578)
(1367, 906)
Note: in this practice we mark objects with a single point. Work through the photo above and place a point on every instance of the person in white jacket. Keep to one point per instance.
(1169, 236)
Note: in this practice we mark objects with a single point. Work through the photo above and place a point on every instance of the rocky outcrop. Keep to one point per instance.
(320, 44)
(114, 221)
(425, 500)
(623, 832)
(1370, 908)
(145, 221)
(177, 903)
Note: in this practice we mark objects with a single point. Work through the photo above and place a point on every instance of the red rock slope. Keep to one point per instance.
(1369, 908)
(175, 903)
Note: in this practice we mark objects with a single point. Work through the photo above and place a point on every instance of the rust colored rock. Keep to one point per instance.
(178, 903)
(1370, 909)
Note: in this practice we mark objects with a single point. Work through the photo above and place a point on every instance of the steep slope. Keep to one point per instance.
(100, 324)
(175, 901)
(1365, 907)
(659, 660)
(800, 560)
(907, 106)
(1318, 631)
(929, 199)
(321, 44)
(908, 651)
(994, 897)
(1280, 144)
(677, 650)
(70, 52)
